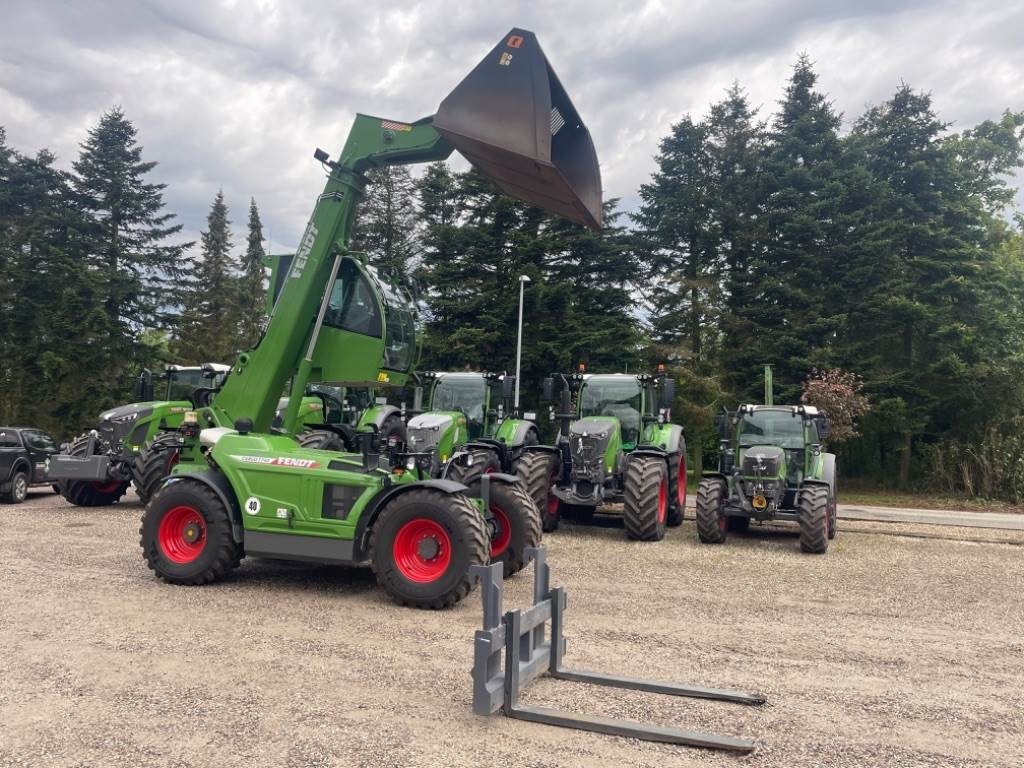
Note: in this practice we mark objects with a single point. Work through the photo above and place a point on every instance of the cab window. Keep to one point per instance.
(353, 305)
(39, 441)
(9, 439)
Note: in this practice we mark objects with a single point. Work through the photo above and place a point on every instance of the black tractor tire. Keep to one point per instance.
(154, 463)
(56, 488)
(833, 514)
(677, 491)
(413, 575)
(645, 498)
(186, 535)
(393, 426)
(738, 523)
(537, 471)
(517, 524)
(711, 522)
(18, 490)
(814, 518)
(322, 440)
(91, 493)
(466, 472)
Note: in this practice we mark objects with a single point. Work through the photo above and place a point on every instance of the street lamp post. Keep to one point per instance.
(523, 280)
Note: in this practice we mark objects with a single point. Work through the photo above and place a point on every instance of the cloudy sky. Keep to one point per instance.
(236, 94)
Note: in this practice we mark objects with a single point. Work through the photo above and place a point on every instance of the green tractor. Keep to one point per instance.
(97, 468)
(772, 466)
(240, 489)
(615, 444)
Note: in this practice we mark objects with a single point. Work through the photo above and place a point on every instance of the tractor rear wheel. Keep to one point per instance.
(833, 514)
(537, 471)
(712, 524)
(813, 513)
(517, 524)
(322, 440)
(91, 493)
(186, 534)
(677, 487)
(154, 463)
(471, 465)
(422, 545)
(645, 498)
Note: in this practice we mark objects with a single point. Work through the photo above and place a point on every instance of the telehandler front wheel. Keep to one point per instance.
(186, 534)
(91, 493)
(422, 545)
(538, 471)
(645, 498)
(712, 524)
(813, 511)
(516, 524)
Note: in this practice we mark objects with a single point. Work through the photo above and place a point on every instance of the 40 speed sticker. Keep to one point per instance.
(252, 505)
(277, 461)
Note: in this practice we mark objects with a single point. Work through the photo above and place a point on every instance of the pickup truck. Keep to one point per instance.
(23, 457)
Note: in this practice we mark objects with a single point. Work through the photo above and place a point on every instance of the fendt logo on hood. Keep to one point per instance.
(302, 254)
(277, 461)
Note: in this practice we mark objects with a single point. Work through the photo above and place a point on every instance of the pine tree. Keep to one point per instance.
(386, 220)
(208, 323)
(252, 294)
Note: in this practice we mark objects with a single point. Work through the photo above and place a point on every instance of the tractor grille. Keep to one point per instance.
(423, 439)
(757, 464)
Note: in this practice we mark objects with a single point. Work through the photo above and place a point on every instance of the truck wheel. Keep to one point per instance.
(814, 518)
(422, 545)
(321, 440)
(186, 534)
(19, 488)
(833, 515)
(677, 488)
(645, 498)
(91, 493)
(154, 464)
(517, 524)
(537, 471)
(711, 523)
(462, 471)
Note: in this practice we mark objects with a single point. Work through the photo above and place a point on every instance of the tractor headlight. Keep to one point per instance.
(410, 464)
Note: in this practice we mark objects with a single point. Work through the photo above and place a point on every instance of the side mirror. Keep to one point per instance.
(508, 387)
(549, 390)
(668, 392)
(144, 386)
(723, 425)
(824, 427)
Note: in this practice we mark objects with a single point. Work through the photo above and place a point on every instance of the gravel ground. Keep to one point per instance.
(903, 646)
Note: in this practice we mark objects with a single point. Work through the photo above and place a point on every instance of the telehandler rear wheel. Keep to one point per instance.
(813, 510)
(422, 545)
(517, 524)
(645, 498)
(537, 471)
(711, 523)
(154, 464)
(186, 534)
(91, 493)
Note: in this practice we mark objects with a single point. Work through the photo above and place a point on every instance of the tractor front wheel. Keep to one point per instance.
(422, 545)
(469, 466)
(322, 440)
(186, 534)
(645, 498)
(154, 464)
(537, 471)
(712, 524)
(813, 510)
(91, 493)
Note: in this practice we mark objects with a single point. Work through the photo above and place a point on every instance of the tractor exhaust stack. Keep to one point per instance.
(512, 119)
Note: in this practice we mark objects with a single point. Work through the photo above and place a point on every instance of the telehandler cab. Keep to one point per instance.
(615, 443)
(245, 490)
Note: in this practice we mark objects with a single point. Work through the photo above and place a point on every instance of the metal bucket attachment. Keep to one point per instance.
(513, 120)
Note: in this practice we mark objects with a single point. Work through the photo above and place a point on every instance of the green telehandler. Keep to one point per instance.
(615, 443)
(244, 490)
(772, 466)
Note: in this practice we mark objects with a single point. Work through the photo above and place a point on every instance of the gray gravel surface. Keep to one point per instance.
(903, 646)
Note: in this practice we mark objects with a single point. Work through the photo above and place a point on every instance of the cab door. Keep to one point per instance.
(10, 449)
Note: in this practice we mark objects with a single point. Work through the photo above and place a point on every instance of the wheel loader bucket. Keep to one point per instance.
(512, 119)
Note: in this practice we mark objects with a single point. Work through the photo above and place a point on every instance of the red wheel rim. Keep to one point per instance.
(662, 500)
(723, 523)
(502, 534)
(552, 506)
(108, 487)
(182, 534)
(681, 482)
(422, 550)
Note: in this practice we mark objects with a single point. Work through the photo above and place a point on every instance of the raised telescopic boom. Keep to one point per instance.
(510, 117)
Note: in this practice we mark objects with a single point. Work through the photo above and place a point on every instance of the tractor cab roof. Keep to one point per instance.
(807, 410)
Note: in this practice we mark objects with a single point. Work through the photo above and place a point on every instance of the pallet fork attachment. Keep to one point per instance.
(519, 636)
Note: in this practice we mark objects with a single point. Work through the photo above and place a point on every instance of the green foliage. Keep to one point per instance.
(252, 285)
(385, 224)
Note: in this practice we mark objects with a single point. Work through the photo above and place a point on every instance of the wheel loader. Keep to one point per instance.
(615, 444)
(772, 466)
(242, 489)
